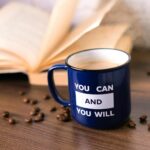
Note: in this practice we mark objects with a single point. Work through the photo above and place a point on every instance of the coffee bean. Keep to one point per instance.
(66, 110)
(131, 124)
(28, 120)
(37, 109)
(148, 127)
(46, 97)
(12, 121)
(41, 115)
(21, 93)
(63, 107)
(38, 119)
(63, 117)
(66, 114)
(148, 73)
(58, 116)
(33, 113)
(5, 114)
(53, 109)
(26, 100)
(143, 119)
(34, 102)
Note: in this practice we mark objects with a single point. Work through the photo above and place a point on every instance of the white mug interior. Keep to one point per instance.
(100, 54)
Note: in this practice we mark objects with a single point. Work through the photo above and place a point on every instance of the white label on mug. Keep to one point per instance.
(95, 101)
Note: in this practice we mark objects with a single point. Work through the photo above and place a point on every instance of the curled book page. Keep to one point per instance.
(105, 36)
(59, 25)
(86, 26)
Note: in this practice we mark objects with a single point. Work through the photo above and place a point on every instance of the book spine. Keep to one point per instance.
(40, 79)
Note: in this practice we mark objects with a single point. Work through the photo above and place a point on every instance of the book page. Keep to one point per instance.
(11, 70)
(11, 64)
(7, 61)
(5, 65)
(60, 78)
(9, 57)
(58, 27)
(22, 28)
(84, 27)
(105, 36)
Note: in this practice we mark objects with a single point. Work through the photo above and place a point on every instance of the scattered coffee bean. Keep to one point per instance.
(39, 117)
(131, 124)
(148, 73)
(66, 110)
(46, 97)
(37, 109)
(33, 113)
(26, 100)
(28, 120)
(12, 121)
(67, 115)
(34, 102)
(63, 107)
(5, 114)
(143, 119)
(59, 117)
(63, 117)
(21, 93)
(148, 127)
(53, 109)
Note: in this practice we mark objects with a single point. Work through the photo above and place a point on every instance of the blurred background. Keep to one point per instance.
(135, 11)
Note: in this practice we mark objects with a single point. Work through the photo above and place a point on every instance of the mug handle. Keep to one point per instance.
(52, 86)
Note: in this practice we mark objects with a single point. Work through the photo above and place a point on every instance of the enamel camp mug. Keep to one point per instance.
(99, 96)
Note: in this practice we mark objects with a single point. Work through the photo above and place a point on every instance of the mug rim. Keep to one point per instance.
(106, 69)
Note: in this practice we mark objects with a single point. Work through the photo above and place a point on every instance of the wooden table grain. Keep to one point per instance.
(54, 135)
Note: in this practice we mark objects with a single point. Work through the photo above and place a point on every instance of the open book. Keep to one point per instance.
(31, 40)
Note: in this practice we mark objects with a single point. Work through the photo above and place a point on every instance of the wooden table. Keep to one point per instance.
(55, 135)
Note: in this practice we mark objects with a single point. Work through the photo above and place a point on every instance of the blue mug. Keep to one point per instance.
(99, 95)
